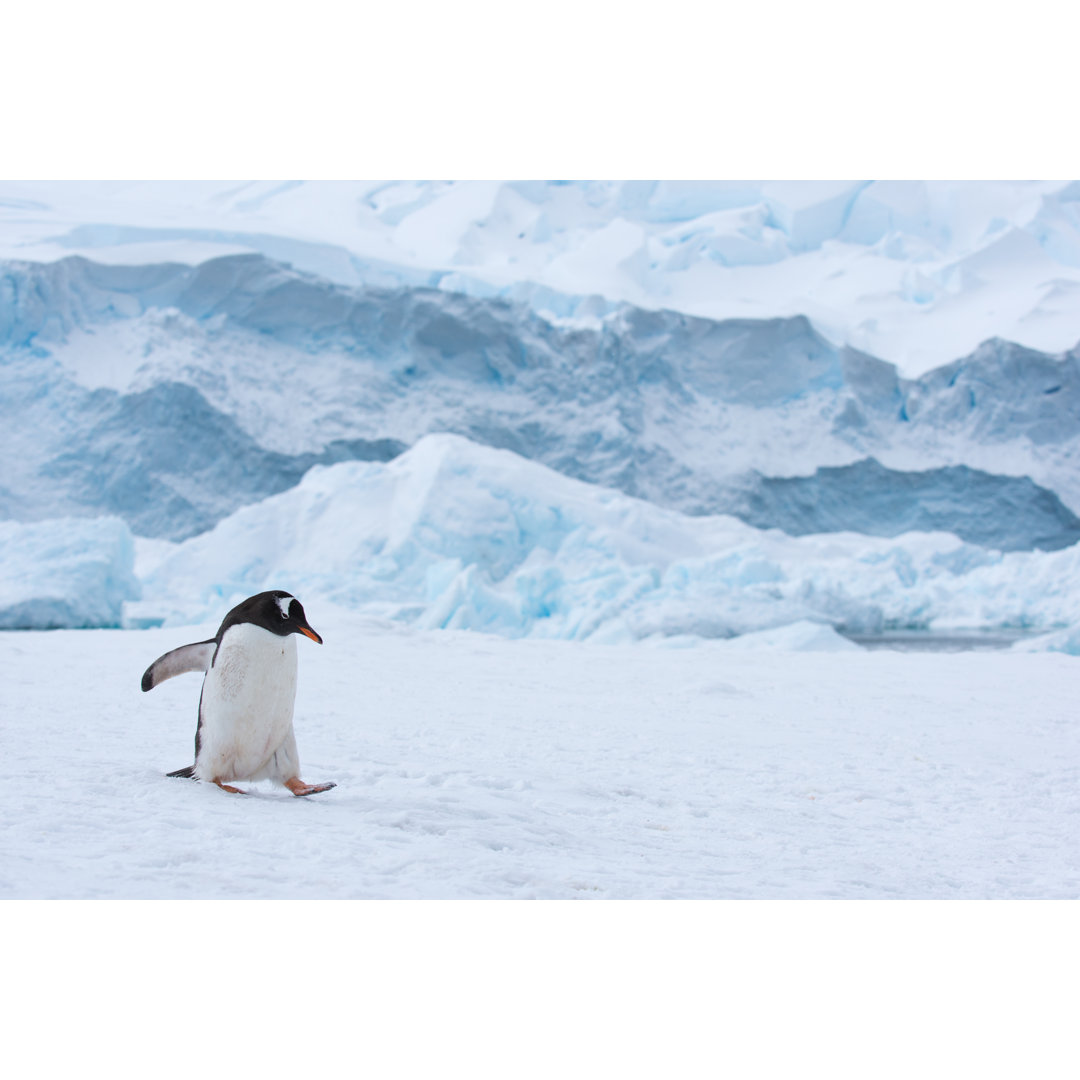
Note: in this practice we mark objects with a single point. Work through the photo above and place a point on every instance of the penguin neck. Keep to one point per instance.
(257, 646)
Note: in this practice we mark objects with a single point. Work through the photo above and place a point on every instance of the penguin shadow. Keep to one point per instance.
(349, 792)
(258, 791)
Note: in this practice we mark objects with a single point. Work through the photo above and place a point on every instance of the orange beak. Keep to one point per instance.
(308, 632)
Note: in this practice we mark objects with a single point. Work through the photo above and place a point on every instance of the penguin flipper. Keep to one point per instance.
(197, 657)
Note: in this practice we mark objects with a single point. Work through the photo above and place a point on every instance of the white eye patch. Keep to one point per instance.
(283, 603)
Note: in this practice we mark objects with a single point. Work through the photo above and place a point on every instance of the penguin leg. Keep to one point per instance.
(229, 788)
(298, 787)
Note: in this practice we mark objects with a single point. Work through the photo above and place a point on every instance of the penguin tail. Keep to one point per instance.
(187, 772)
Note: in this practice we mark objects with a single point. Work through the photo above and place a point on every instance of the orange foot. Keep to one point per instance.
(229, 788)
(298, 787)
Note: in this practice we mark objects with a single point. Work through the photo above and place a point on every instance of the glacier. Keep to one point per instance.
(158, 393)
(1002, 512)
(747, 360)
(453, 535)
(916, 272)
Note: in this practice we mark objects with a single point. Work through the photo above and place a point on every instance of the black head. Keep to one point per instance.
(279, 612)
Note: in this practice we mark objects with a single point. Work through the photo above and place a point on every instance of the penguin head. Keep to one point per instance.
(277, 611)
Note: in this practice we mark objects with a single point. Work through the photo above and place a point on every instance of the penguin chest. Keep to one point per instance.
(247, 703)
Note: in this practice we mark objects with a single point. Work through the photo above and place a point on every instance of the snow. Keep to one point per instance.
(470, 766)
(916, 272)
(801, 636)
(1063, 641)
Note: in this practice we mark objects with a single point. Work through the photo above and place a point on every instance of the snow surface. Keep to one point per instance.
(916, 272)
(471, 766)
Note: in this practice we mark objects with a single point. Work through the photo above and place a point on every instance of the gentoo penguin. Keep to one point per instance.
(245, 727)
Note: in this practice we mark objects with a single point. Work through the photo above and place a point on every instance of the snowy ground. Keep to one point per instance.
(471, 766)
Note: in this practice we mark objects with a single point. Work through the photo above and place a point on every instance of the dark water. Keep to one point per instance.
(929, 641)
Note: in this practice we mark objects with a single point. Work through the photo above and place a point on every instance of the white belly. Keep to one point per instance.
(247, 707)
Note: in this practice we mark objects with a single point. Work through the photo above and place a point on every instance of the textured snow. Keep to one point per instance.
(916, 272)
(65, 573)
(474, 767)
(460, 536)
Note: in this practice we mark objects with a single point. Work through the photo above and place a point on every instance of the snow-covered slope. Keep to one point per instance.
(918, 273)
(173, 395)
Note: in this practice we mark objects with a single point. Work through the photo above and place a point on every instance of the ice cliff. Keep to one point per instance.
(172, 395)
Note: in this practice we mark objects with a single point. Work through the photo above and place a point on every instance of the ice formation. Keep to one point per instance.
(460, 536)
(916, 272)
(172, 396)
(700, 352)
(72, 572)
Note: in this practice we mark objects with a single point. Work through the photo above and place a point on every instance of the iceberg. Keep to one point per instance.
(460, 536)
(66, 573)
(1066, 640)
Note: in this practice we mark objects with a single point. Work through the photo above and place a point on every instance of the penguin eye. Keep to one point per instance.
(284, 614)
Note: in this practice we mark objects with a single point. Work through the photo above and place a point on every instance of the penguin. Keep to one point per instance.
(245, 729)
